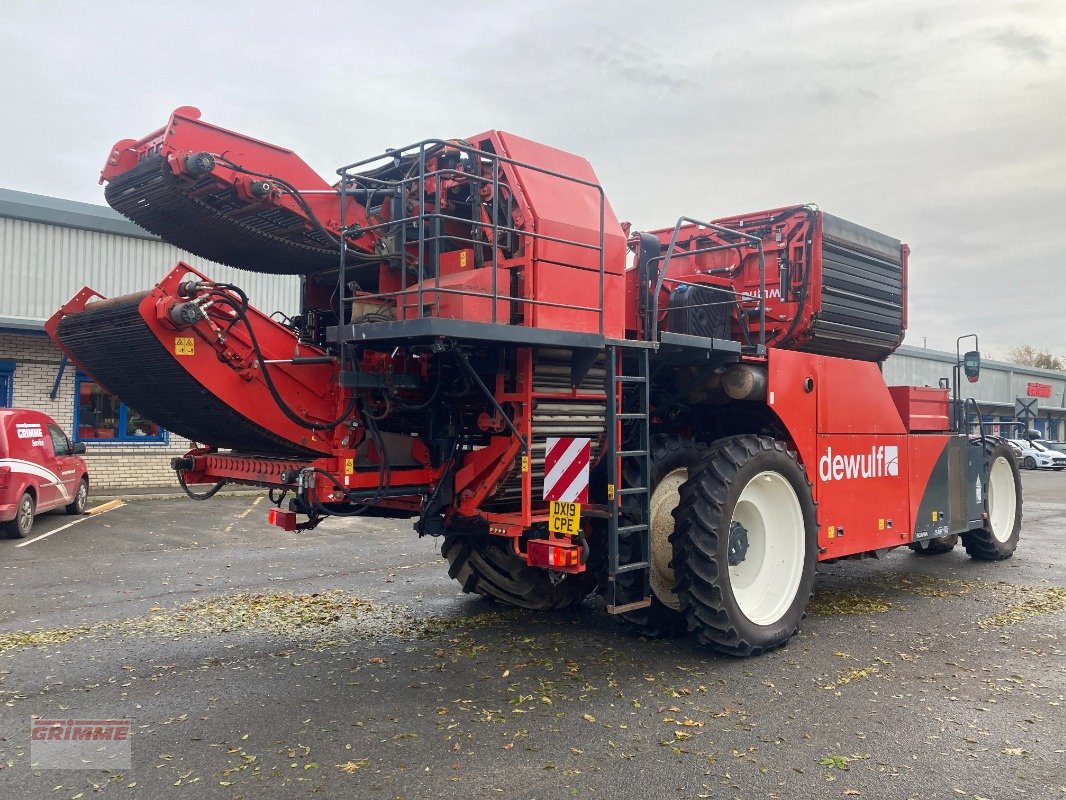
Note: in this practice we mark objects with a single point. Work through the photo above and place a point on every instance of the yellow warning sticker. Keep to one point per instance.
(564, 518)
(610, 491)
(831, 532)
(349, 466)
(525, 463)
(880, 524)
(462, 259)
(184, 346)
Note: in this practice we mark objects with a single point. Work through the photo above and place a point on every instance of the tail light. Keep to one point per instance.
(286, 520)
(558, 555)
(5, 477)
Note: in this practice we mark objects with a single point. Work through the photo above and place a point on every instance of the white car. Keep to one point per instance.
(1060, 446)
(1033, 455)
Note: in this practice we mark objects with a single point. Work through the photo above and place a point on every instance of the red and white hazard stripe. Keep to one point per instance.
(566, 469)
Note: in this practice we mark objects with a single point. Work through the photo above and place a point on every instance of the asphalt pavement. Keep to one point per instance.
(254, 663)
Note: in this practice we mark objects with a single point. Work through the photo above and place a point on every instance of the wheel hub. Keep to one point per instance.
(738, 543)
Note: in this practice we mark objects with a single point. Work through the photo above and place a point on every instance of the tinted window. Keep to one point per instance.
(59, 441)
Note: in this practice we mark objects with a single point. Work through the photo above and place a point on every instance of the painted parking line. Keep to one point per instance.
(103, 509)
(244, 513)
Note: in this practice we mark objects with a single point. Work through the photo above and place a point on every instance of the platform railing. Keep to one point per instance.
(397, 190)
(660, 265)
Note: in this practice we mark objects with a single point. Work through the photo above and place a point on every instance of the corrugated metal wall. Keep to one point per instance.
(42, 266)
(1000, 382)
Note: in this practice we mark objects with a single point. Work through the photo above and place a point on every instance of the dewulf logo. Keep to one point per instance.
(881, 462)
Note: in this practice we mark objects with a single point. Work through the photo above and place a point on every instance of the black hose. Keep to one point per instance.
(291, 190)
(398, 401)
(205, 496)
(274, 393)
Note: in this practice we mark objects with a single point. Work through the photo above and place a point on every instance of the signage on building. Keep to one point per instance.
(1038, 389)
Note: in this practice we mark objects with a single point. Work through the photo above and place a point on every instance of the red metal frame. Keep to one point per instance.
(868, 454)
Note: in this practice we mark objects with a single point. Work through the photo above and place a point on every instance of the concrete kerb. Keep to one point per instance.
(162, 493)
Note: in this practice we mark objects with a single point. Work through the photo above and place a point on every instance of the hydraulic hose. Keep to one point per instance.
(195, 496)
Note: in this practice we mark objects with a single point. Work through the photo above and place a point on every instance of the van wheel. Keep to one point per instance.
(81, 499)
(21, 525)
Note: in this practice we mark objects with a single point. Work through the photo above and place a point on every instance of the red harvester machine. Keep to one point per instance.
(687, 429)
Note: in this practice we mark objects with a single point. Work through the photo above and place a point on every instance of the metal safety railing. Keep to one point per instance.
(659, 266)
(423, 185)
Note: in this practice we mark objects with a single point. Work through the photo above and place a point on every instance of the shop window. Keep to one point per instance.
(7, 382)
(100, 417)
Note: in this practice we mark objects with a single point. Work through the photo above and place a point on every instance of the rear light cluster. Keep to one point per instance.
(5, 477)
(555, 554)
(286, 520)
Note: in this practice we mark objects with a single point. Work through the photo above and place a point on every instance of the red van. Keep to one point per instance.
(39, 470)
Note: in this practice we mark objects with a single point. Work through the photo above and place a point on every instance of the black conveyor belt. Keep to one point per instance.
(112, 342)
(273, 240)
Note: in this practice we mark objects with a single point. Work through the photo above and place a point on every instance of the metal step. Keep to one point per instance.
(629, 524)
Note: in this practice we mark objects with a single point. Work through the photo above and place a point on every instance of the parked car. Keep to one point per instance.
(1058, 446)
(1033, 455)
(1015, 450)
(40, 470)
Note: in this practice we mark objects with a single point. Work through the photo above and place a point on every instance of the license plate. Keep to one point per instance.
(564, 518)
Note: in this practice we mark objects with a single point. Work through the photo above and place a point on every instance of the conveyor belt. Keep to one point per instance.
(273, 240)
(111, 341)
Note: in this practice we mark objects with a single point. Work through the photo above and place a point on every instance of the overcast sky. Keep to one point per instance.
(943, 124)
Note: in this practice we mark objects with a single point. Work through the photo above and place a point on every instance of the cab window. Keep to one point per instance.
(59, 441)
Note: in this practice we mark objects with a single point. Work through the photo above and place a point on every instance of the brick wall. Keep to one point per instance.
(111, 466)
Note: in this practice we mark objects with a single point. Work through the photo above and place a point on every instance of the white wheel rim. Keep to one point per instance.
(765, 582)
(1002, 499)
(664, 500)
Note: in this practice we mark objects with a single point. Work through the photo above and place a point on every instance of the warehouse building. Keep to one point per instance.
(997, 393)
(50, 248)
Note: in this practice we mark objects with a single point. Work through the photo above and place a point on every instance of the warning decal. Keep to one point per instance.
(566, 469)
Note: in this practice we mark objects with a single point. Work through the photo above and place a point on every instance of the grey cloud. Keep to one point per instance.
(891, 114)
(1030, 46)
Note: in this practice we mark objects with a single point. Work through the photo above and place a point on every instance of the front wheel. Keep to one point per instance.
(1029, 463)
(745, 545)
(935, 547)
(998, 540)
(81, 499)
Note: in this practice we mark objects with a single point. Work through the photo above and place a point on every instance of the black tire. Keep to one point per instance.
(493, 571)
(998, 540)
(709, 500)
(660, 620)
(1029, 463)
(935, 547)
(22, 524)
(81, 499)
